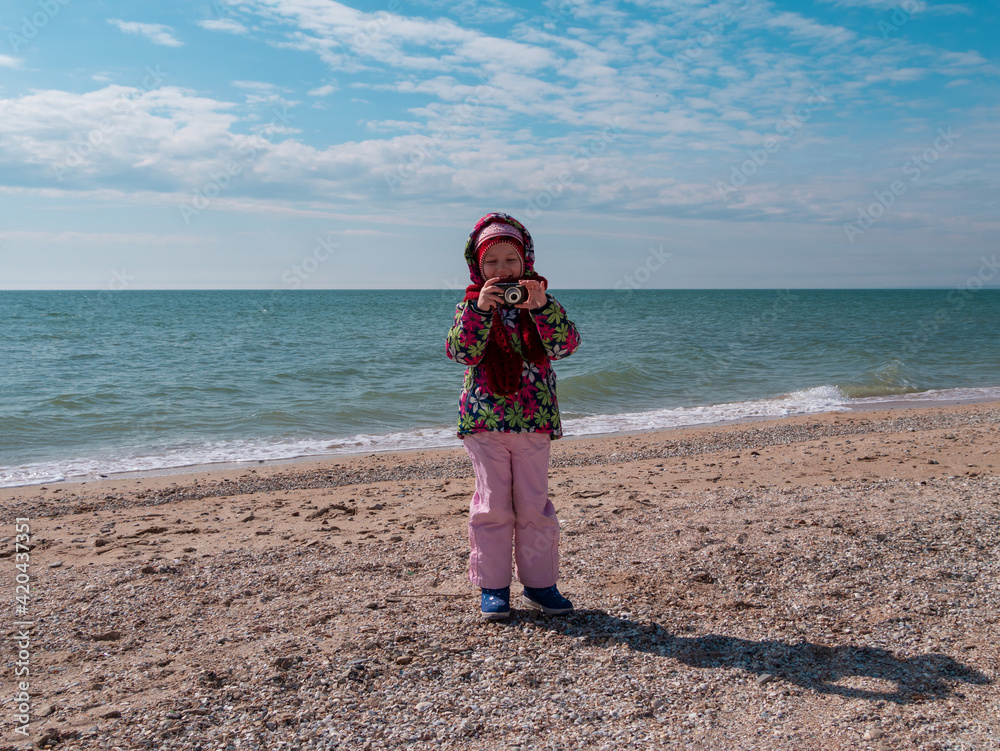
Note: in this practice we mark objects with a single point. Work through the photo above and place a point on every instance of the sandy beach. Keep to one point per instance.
(824, 581)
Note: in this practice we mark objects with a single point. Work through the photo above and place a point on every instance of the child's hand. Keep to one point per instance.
(489, 296)
(536, 294)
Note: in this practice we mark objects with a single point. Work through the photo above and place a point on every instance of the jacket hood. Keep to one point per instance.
(470, 246)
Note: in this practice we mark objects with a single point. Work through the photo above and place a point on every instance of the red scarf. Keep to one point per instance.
(501, 361)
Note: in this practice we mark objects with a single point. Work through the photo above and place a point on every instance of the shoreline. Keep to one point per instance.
(915, 403)
(453, 459)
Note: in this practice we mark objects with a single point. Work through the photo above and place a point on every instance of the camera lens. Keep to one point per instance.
(515, 295)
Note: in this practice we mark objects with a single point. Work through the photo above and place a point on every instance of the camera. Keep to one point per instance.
(513, 292)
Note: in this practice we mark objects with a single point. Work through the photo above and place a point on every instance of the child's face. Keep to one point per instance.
(502, 260)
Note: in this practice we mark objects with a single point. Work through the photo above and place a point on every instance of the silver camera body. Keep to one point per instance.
(513, 292)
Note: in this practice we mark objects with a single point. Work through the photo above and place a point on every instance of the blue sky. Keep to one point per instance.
(655, 143)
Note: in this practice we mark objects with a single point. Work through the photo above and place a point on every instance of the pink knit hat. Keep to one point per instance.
(496, 233)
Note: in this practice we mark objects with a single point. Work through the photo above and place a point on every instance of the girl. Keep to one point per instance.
(508, 416)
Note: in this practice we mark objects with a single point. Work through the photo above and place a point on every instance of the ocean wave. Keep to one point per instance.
(223, 452)
(612, 380)
(862, 391)
(893, 378)
(805, 401)
(931, 396)
(813, 400)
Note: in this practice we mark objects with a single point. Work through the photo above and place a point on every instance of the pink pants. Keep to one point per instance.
(511, 508)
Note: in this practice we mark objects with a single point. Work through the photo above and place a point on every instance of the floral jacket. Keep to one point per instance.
(534, 408)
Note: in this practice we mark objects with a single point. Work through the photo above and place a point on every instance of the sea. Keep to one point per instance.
(97, 383)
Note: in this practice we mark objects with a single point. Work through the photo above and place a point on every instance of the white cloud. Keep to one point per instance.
(174, 144)
(901, 75)
(227, 25)
(154, 32)
(127, 238)
(951, 9)
(471, 11)
(910, 7)
(953, 61)
(257, 85)
(115, 135)
(803, 28)
(6, 61)
(322, 90)
(347, 38)
(499, 119)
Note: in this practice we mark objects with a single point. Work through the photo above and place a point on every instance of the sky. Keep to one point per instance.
(298, 144)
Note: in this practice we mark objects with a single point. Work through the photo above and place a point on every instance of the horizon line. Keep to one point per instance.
(457, 289)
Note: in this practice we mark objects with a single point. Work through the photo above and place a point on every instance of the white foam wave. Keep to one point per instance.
(985, 394)
(222, 452)
(818, 399)
(806, 401)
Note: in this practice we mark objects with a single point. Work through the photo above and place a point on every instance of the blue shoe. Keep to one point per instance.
(548, 600)
(495, 604)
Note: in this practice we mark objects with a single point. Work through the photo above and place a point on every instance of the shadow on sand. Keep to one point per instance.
(812, 666)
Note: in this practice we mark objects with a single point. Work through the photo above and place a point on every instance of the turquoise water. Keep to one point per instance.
(99, 382)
